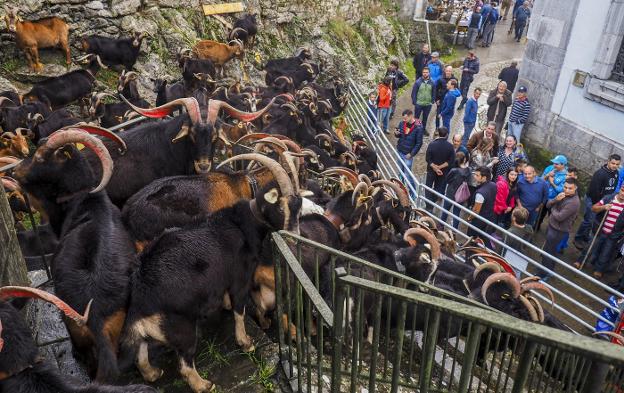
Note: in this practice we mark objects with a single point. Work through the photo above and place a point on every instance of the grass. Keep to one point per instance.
(10, 64)
(343, 31)
(209, 354)
(26, 220)
(108, 77)
(264, 374)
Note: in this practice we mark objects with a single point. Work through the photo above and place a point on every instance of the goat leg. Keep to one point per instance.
(242, 338)
(149, 372)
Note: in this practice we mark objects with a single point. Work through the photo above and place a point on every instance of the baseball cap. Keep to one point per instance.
(560, 159)
(523, 89)
(435, 54)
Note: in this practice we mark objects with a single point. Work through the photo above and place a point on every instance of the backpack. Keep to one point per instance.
(463, 193)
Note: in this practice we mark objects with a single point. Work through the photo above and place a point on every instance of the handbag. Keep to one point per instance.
(463, 193)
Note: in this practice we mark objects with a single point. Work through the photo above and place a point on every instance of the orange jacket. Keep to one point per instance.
(385, 93)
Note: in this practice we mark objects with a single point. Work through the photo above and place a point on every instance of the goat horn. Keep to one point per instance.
(294, 169)
(357, 191)
(276, 169)
(494, 267)
(614, 335)
(190, 103)
(131, 75)
(272, 141)
(538, 286)
(324, 136)
(363, 178)
(401, 195)
(10, 184)
(429, 238)
(2, 99)
(234, 31)
(346, 172)
(507, 278)
(214, 106)
(72, 135)
(8, 160)
(99, 61)
(13, 291)
(538, 307)
(308, 67)
(529, 279)
(253, 135)
(91, 129)
(530, 308)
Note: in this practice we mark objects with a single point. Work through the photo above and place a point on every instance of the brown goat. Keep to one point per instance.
(218, 52)
(14, 144)
(44, 33)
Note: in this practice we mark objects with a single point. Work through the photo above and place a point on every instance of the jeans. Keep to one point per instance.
(533, 215)
(393, 102)
(520, 29)
(468, 127)
(553, 238)
(488, 34)
(472, 37)
(601, 253)
(515, 129)
(584, 231)
(438, 183)
(383, 115)
(405, 172)
(455, 210)
(424, 109)
(446, 122)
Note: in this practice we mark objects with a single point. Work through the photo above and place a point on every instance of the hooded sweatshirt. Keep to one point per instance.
(448, 104)
(435, 70)
(503, 200)
(603, 183)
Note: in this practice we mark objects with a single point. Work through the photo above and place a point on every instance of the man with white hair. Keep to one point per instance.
(521, 16)
(499, 100)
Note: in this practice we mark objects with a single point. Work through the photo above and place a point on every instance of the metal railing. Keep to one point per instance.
(389, 331)
(576, 303)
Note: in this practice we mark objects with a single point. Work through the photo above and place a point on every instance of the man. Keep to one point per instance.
(602, 251)
(489, 132)
(423, 96)
(448, 104)
(563, 211)
(490, 25)
(532, 193)
(521, 17)
(485, 14)
(397, 80)
(440, 158)
(498, 100)
(602, 183)
(505, 6)
(441, 88)
(520, 110)
(485, 195)
(473, 27)
(436, 68)
(510, 75)
(555, 176)
(469, 70)
(421, 59)
(409, 134)
(458, 146)
(470, 115)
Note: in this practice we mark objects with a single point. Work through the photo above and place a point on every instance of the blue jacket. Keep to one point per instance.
(435, 70)
(621, 179)
(416, 87)
(410, 139)
(531, 195)
(485, 13)
(471, 67)
(522, 14)
(559, 179)
(470, 114)
(609, 315)
(448, 104)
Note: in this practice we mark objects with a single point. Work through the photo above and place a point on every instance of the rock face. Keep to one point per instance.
(350, 38)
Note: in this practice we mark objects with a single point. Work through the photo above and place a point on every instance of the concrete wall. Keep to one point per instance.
(564, 37)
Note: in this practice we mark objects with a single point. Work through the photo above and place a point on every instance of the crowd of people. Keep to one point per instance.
(487, 170)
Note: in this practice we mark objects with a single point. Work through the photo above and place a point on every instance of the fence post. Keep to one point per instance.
(13, 271)
(341, 295)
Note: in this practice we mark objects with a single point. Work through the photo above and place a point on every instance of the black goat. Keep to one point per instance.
(43, 126)
(95, 256)
(166, 92)
(209, 262)
(245, 29)
(62, 90)
(22, 370)
(114, 51)
(12, 118)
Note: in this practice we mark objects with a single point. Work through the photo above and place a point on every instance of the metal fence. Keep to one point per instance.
(580, 297)
(346, 325)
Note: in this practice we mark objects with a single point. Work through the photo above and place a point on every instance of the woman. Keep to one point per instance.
(505, 197)
(506, 156)
(483, 155)
(459, 174)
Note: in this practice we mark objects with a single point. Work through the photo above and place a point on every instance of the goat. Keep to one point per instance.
(166, 92)
(44, 33)
(244, 29)
(196, 72)
(114, 51)
(14, 117)
(95, 256)
(14, 143)
(210, 261)
(62, 90)
(22, 370)
(218, 52)
(42, 127)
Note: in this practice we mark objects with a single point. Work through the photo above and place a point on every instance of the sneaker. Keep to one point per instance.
(579, 244)
(577, 265)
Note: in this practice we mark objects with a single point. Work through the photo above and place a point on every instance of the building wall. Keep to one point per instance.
(564, 37)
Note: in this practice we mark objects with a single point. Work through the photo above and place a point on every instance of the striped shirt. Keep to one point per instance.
(520, 111)
(612, 215)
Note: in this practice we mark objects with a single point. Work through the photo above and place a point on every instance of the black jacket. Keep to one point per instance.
(440, 151)
(603, 183)
(455, 178)
(510, 76)
(441, 89)
(398, 79)
(420, 61)
(410, 137)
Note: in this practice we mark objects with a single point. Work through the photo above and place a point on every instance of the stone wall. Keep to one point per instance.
(441, 35)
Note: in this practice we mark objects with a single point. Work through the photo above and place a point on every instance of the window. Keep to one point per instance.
(618, 69)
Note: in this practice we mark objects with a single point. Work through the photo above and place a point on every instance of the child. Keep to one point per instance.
(448, 104)
(383, 103)
(519, 227)
(372, 112)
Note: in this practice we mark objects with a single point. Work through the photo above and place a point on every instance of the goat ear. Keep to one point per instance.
(184, 131)
(271, 196)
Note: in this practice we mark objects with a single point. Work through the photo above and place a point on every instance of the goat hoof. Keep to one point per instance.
(247, 344)
(152, 375)
(265, 323)
(205, 387)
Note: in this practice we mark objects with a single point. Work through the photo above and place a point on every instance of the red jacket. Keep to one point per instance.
(385, 94)
(502, 193)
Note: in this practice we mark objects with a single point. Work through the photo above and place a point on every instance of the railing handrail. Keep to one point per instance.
(596, 349)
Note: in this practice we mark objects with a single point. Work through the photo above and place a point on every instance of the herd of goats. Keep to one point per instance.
(150, 237)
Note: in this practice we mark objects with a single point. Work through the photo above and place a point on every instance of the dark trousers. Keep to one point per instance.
(425, 109)
(553, 238)
(602, 253)
(583, 233)
(454, 209)
(464, 87)
(438, 183)
(482, 225)
(520, 29)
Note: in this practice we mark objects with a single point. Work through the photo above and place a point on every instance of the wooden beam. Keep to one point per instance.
(225, 8)
(12, 265)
